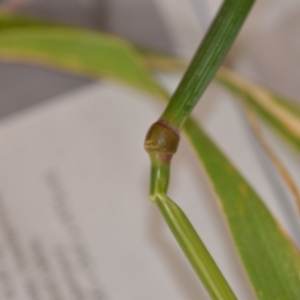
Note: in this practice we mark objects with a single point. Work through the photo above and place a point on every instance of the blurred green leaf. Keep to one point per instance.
(160, 61)
(84, 52)
(271, 259)
(194, 249)
(281, 114)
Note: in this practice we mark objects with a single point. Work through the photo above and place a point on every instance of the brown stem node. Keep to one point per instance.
(161, 138)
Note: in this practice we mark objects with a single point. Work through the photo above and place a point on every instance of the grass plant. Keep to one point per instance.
(269, 256)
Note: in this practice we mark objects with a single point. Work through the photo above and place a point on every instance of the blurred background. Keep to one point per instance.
(267, 49)
(138, 21)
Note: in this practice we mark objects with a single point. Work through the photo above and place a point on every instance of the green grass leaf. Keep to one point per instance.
(281, 114)
(79, 51)
(270, 258)
(195, 250)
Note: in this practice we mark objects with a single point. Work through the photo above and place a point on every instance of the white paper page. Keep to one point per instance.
(75, 221)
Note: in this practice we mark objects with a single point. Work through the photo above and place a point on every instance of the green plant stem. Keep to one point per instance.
(186, 236)
(163, 138)
(206, 61)
(161, 143)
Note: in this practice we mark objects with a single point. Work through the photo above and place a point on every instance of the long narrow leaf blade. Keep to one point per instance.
(270, 258)
(195, 250)
(77, 50)
(281, 114)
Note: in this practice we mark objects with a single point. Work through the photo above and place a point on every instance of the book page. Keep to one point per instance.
(75, 220)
